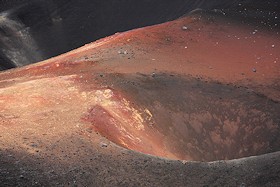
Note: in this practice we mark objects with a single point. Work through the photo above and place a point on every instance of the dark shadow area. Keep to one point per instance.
(31, 31)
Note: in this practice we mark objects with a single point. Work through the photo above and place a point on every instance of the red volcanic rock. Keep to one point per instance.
(182, 90)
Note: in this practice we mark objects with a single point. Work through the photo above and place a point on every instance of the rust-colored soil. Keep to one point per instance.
(200, 88)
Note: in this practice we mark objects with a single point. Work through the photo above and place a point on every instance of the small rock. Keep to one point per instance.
(254, 70)
(184, 162)
(242, 185)
(102, 144)
(168, 39)
(89, 130)
(153, 74)
(185, 28)
(123, 52)
(34, 145)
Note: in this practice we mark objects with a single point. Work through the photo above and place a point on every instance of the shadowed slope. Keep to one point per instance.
(40, 29)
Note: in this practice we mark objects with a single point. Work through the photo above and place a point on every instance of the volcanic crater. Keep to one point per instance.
(192, 101)
(186, 118)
